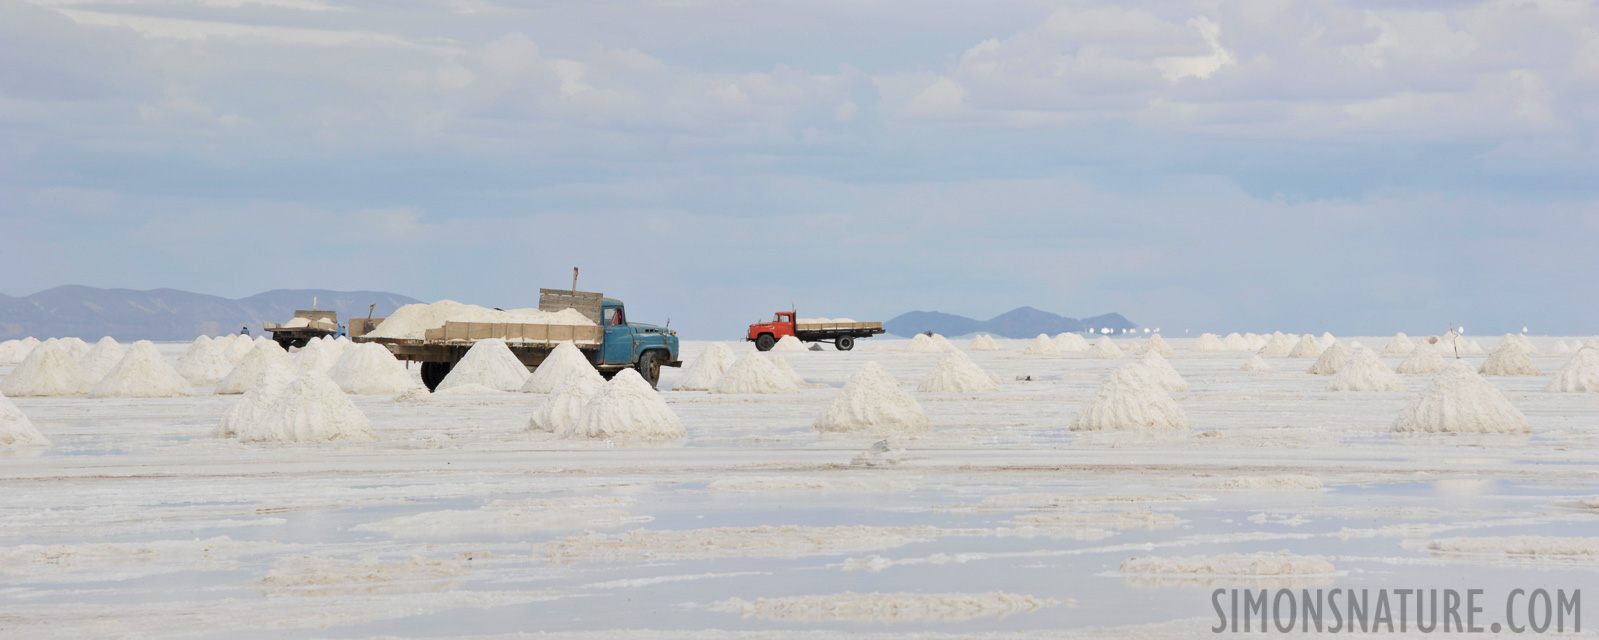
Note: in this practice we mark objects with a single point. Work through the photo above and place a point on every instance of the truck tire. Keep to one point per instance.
(845, 343)
(765, 341)
(649, 366)
(434, 372)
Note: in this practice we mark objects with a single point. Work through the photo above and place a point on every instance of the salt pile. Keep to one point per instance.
(1163, 372)
(1510, 359)
(957, 373)
(249, 410)
(76, 347)
(369, 369)
(923, 343)
(626, 408)
(1255, 363)
(238, 347)
(1581, 373)
(754, 373)
(564, 361)
(789, 343)
(320, 354)
(558, 413)
(1518, 338)
(15, 351)
(1326, 339)
(1330, 361)
(1209, 342)
(1131, 400)
(985, 342)
(705, 369)
(1423, 359)
(262, 355)
(49, 370)
(142, 374)
(1307, 347)
(1560, 348)
(873, 402)
(412, 321)
(310, 409)
(1460, 401)
(782, 365)
(1070, 342)
(489, 363)
(1105, 349)
(1158, 345)
(16, 430)
(1276, 345)
(1365, 373)
(1399, 346)
(1235, 342)
(1041, 346)
(1255, 341)
(101, 358)
(1472, 347)
(206, 361)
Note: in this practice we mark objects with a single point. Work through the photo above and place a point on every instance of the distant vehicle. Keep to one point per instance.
(612, 344)
(306, 326)
(841, 335)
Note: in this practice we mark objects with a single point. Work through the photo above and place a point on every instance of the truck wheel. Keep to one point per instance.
(845, 343)
(765, 341)
(649, 366)
(433, 373)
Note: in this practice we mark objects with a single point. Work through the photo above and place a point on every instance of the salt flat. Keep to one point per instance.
(458, 521)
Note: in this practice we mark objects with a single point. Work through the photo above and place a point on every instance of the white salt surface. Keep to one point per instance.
(142, 373)
(489, 363)
(1253, 565)
(788, 344)
(1163, 372)
(564, 361)
(15, 351)
(882, 608)
(1580, 374)
(957, 373)
(1041, 346)
(247, 412)
(1460, 401)
(788, 370)
(873, 402)
(1365, 372)
(985, 342)
(320, 354)
(101, 358)
(239, 346)
(205, 362)
(1255, 363)
(1276, 345)
(16, 430)
(1424, 359)
(1209, 342)
(559, 411)
(923, 343)
(1399, 346)
(369, 369)
(49, 370)
(1131, 399)
(1330, 361)
(1307, 347)
(1158, 345)
(703, 371)
(310, 409)
(1235, 342)
(626, 408)
(1070, 342)
(1511, 359)
(413, 320)
(754, 373)
(1105, 349)
(263, 354)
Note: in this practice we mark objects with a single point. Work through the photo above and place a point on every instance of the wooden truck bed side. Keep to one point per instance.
(515, 334)
(587, 303)
(836, 326)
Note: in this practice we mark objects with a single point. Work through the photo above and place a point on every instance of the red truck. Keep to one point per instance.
(786, 323)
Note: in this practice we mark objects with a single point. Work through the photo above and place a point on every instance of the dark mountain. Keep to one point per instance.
(1022, 322)
(169, 314)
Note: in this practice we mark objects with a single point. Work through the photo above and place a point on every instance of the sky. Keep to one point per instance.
(1359, 167)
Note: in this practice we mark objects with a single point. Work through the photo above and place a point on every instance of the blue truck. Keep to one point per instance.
(611, 344)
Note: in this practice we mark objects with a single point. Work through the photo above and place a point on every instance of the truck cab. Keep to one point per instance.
(630, 344)
(766, 334)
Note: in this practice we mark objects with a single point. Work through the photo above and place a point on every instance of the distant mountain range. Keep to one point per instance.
(170, 314)
(1021, 322)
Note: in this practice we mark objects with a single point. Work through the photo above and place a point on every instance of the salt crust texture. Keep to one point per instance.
(1041, 346)
(49, 370)
(1131, 399)
(884, 607)
(626, 408)
(239, 346)
(1235, 342)
(958, 373)
(1255, 363)
(1399, 346)
(319, 354)
(1531, 547)
(244, 414)
(205, 362)
(1276, 345)
(489, 363)
(264, 354)
(873, 402)
(1330, 361)
(102, 357)
(1424, 359)
(1209, 342)
(15, 351)
(1460, 401)
(369, 369)
(1162, 371)
(1070, 342)
(1158, 345)
(1581, 373)
(985, 342)
(1264, 564)
(564, 361)
(754, 373)
(142, 373)
(703, 372)
(1510, 359)
(1307, 347)
(1365, 372)
(788, 370)
(559, 411)
(923, 343)
(1105, 349)
(783, 541)
(16, 430)
(412, 321)
(788, 344)
(310, 409)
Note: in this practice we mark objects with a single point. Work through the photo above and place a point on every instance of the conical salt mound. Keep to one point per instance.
(957, 373)
(1511, 359)
(1041, 346)
(205, 362)
(985, 342)
(626, 408)
(788, 343)
(1276, 345)
(754, 373)
(560, 410)
(705, 369)
(489, 363)
(1472, 347)
(248, 411)
(1131, 399)
(1105, 349)
(1256, 341)
(1560, 348)
(49, 370)
(1580, 374)
(1518, 338)
(873, 402)
(76, 347)
(1070, 342)
(16, 430)
(102, 357)
(238, 347)
(369, 369)
(1326, 339)
(1255, 363)
(1399, 346)
(15, 351)
(923, 343)
(1330, 361)
(310, 409)
(788, 370)
(244, 374)
(142, 374)
(1307, 347)
(319, 355)
(1424, 359)
(564, 361)
(1209, 342)
(1162, 371)
(1158, 345)
(1460, 401)
(1365, 373)
(1235, 342)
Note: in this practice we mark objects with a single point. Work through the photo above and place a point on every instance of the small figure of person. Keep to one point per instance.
(244, 331)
